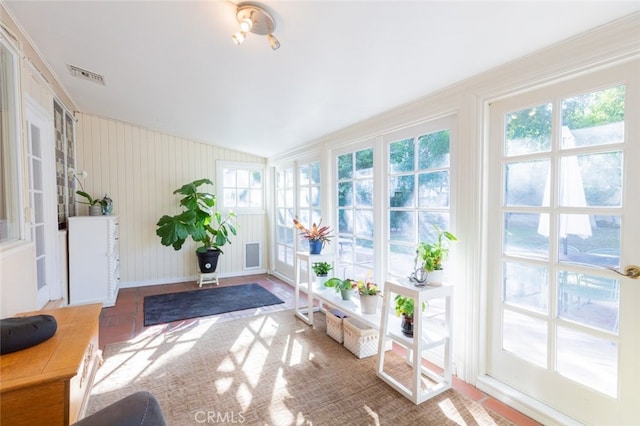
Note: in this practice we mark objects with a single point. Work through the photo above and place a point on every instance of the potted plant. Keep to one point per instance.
(321, 269)
(95, 204)
(317, 235)
(405, 308)
(345, 287)
(368, 292)
(199, 221)
(429, 257)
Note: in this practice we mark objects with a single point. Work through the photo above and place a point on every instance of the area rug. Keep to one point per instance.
(269, 369)
(165, 308)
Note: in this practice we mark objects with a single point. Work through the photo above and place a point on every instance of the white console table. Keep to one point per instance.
(306, 314)
(425, 337)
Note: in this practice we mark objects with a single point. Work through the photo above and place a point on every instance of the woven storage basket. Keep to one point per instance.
(360, 339)
(334, 325)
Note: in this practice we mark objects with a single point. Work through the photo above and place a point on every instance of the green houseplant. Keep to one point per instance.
(429, 257)
(199, 221)
(405, 308)
(321, 269)
(95, 204)
(345, 287)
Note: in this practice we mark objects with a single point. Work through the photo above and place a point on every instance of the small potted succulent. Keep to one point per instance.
(345, 287)
(321, 269)
(405, 308)
(317, 235)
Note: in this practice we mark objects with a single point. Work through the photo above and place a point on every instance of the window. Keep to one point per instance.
(419, 194)
(10, 199)
(309, 208)
(241, 186)
(285, 246)
(355, 213)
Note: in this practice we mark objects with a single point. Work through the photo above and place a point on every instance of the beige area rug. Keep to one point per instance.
(267, 370)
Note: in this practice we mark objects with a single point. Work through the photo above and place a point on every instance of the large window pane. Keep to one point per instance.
(364, 163)
(528, 130)
(433, 150)
(589, 300)
(401, 156)
(401, 227)
(600, 176)
(525, 337)
(589, 360)
(525, 183)
(433, 189)
(526, 286)
(9, 189)
(401, 191)
(595, 118)
(523, 235)
(345, 166)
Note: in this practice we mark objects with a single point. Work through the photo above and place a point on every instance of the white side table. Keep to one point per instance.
(424, 338)
(306, 315)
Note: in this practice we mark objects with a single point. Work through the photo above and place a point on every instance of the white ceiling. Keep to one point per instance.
(171, 65)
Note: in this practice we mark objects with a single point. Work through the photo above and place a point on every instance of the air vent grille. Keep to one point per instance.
(85, 74)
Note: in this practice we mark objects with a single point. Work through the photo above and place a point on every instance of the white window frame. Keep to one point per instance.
(14, 187)
(251, 168)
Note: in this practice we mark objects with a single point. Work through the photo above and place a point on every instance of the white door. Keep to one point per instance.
(42, 191)
(565, 211)
(285, 247)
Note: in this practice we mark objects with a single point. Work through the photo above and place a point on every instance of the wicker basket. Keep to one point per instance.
(334, 325)
(360, 339)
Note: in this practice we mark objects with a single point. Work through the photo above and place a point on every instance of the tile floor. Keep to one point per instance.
(125, 321)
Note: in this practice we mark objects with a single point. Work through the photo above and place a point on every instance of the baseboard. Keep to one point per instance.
(176, 280)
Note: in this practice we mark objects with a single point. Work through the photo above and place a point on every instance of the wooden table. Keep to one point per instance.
(50, 383)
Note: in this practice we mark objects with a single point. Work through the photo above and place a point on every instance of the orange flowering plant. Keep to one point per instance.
(366, 287)
(315, 233)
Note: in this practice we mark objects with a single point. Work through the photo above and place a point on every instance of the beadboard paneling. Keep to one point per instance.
(139, 169)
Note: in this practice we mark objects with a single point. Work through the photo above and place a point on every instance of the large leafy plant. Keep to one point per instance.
(199, 220)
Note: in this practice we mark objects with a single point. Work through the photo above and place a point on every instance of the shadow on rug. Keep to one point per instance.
(267, 370)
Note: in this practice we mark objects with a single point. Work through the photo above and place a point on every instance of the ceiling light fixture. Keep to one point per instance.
(253, 18)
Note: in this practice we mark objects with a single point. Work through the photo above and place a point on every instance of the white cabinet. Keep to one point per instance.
(94, 273)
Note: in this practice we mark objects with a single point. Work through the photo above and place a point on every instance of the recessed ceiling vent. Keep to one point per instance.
(85, 74)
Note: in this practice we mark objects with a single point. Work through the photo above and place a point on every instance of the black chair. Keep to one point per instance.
(138, 409)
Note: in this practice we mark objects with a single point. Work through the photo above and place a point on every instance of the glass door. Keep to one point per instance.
(562, 323)
(42, 188)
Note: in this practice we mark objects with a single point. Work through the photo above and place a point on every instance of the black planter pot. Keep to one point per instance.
(208, 260)
(407, 326)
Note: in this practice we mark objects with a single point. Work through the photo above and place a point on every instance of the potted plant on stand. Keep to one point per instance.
(199, 221)
(345, 287)
(317, 235)
(321, 269)
(429, 258)
(368, 293)
(405, 308)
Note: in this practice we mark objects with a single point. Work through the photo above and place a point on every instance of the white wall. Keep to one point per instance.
(139, 169)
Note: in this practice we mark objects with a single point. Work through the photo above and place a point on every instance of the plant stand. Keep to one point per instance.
(425, 382)
(210, 278)
(306, 315)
